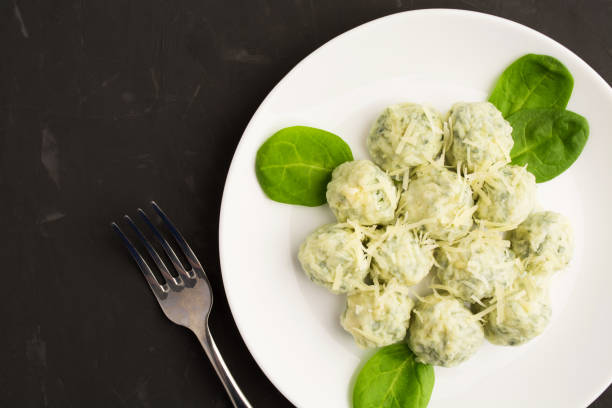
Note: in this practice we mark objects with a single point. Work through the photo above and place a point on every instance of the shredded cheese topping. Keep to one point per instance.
(544, 242)
(379, 316)
(506, 195)
(445, 332)
(520, 313)
(404, 136)
(481, 136)
(475, 265)
(362, 192)
(401, 253)
(440, 200)
(334, 256)
(444, 201)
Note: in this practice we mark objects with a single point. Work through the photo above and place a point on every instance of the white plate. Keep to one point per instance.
(291, 326)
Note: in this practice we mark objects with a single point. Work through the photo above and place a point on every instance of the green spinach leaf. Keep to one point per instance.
(295, 164)
(393, 379)
(532, 81)
(548, 140)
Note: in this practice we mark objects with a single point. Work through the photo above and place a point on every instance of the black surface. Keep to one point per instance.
(105, 105)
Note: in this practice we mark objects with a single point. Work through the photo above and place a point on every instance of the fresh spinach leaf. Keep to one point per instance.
(295, 164)
(393, 379)
(548, 140)
(532, 81)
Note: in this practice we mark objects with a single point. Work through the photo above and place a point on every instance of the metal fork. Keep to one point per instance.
(186, 299)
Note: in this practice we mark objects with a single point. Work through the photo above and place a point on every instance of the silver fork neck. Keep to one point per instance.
(208, 344)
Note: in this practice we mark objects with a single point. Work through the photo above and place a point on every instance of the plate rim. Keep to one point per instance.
(223, 212)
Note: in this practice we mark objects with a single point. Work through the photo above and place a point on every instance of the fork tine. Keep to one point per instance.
(167, 248)
(193, 260)
(156, 287)
(158, 261)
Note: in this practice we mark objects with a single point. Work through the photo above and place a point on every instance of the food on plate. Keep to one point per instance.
(532, 94)
(393, 378)
(360, 191)
(439, 202)
(475, 267)
(548, 141)
(480, 136)
(295, 164)
(405, 135)
(401, 254)
(333, 256)
(446, 192)
(523, 313)
(533, 81)
(377, 316)
(506, 195)
(544, 241)
(443, 331)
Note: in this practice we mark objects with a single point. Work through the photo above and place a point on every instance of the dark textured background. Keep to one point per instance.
(105, 105)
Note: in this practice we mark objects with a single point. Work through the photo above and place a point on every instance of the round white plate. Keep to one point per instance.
(291, 326)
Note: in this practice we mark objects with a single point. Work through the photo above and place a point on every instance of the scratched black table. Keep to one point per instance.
(105, 105)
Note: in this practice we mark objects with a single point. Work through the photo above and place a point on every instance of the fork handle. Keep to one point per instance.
(233, 391)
